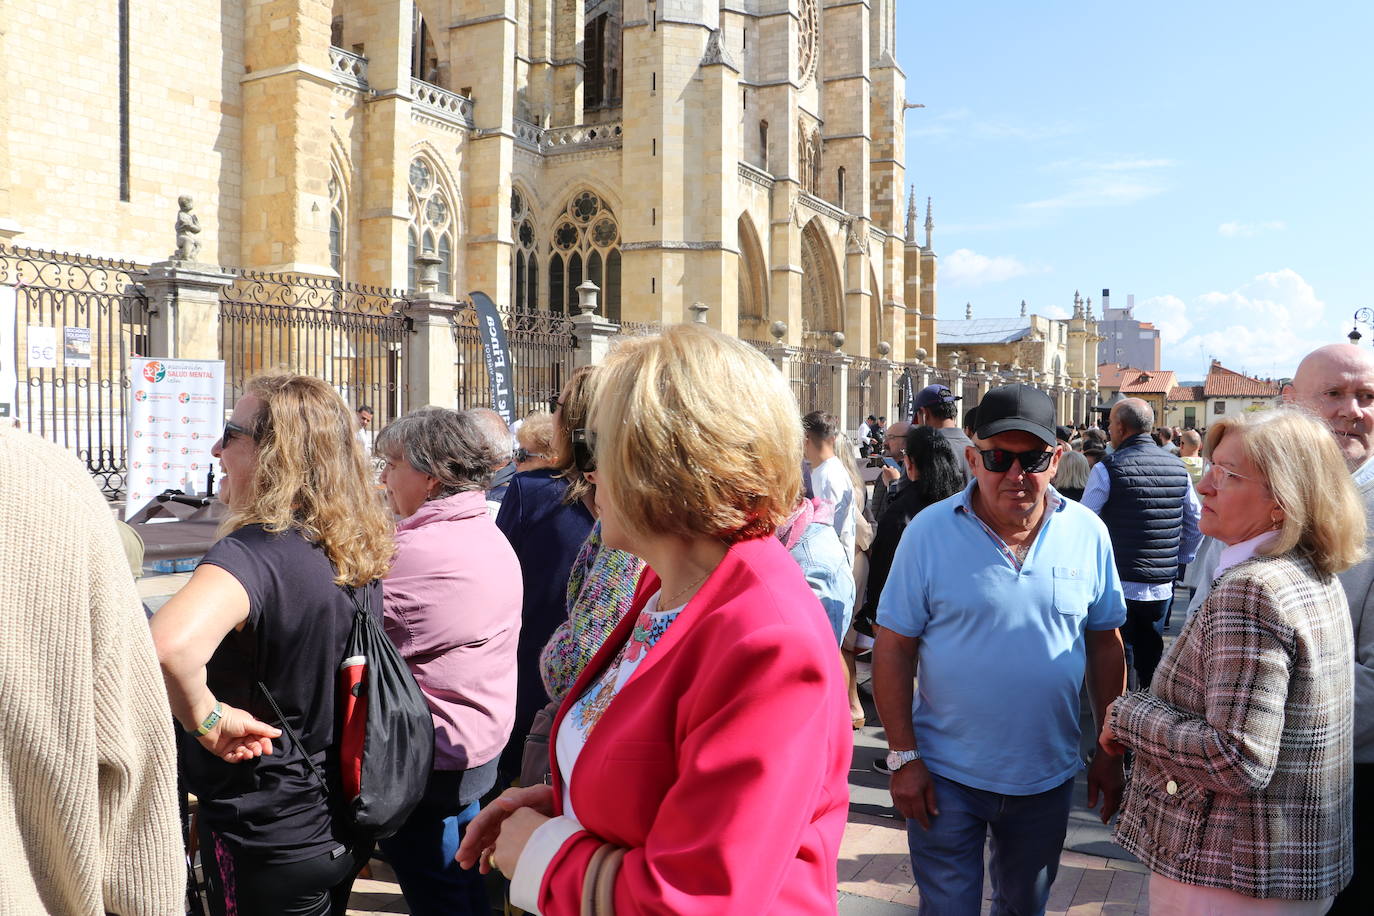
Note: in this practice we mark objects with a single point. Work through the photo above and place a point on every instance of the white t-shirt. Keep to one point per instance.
(830, 482)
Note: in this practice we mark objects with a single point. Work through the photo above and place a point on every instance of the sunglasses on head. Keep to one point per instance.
(231, 430)
(584, 450)
(999, 460)
(522, 455)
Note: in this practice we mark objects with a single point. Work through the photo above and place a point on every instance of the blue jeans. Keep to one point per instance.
(1027, 837)
(421, 853)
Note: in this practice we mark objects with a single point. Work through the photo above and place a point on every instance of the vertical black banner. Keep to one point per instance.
(497, 353)
(908, 398)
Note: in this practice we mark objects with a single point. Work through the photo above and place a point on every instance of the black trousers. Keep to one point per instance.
(1144, 643)
(1356, 897)
(242, 886)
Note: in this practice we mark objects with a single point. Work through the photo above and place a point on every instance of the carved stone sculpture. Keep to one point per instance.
(188, 227)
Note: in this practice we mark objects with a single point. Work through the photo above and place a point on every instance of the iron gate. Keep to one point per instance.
(84, 317)
(541, 352)
(353, 337)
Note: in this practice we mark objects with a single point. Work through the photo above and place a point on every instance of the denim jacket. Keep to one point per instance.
(821, 556)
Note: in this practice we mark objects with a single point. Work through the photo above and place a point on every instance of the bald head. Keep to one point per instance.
(895, 438)
(1337, 383)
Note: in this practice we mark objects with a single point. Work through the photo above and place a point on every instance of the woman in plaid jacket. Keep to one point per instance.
(1239, 800)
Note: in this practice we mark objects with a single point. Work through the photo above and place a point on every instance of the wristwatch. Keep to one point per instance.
(898, 759)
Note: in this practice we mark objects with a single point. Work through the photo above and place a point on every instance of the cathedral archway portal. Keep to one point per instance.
(821, 312)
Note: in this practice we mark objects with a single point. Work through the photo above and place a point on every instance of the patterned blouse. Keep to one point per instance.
(601, 588)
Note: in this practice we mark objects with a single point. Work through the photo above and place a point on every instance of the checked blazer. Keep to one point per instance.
(1243, 743)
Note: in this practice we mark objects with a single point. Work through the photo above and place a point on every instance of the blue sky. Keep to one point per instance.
(1212, 158)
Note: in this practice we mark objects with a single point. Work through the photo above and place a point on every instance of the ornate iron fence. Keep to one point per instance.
(970, 395)
(812, 378)
(353, 337)
(863, 373)
(541, 347)
(84, 318)
(639, 328)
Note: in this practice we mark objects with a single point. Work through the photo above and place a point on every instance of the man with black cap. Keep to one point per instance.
(1005, 595)
(936, 407)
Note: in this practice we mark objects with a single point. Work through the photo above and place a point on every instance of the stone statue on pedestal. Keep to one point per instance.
(188, 227)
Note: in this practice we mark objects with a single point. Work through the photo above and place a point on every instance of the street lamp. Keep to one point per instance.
(1362, 317)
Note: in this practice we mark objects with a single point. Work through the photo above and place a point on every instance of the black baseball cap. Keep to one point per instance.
(1063, 433)
(1016, 408)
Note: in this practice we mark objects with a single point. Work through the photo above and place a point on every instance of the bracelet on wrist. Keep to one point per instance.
(211, 720)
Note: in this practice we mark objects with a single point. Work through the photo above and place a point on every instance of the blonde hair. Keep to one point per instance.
(698, 435)
(311, 475)
(535, 435)
(1323, 515)
(575, 405)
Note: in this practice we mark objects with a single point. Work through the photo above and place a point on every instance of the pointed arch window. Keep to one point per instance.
(432, 223)
(524, 260)
(586, 244)
(337, 239)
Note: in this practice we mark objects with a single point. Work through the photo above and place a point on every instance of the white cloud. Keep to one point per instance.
(968, 268)
(1169, 314)
(1110, 183)
(1263, 327)
(1234, 230)
(1058, 312)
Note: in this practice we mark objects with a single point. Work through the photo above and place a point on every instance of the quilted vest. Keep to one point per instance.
(1144, 511)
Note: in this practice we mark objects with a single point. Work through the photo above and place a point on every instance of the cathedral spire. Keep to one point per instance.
(968, 311)
(1023, 308)
(930, 224)
(911, 217)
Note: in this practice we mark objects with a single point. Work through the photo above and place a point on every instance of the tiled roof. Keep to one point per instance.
(1227, 383)
(1143, 382)
(981, 330)
(1186, 393)
(1109, 375)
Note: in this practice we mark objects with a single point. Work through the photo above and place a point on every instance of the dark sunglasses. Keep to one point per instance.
(584, 450)
(554, 403)
(231, 430)
(998, 460)
(522, 455)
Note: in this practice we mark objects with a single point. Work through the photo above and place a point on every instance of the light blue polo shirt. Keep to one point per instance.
(1002, 651)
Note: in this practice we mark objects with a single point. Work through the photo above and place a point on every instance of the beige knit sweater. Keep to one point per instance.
(88, 820)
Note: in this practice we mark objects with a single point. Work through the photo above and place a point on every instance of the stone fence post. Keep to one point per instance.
(183, 309)
(592, 332)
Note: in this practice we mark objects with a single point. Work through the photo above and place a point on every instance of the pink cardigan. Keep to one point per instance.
(722, 765)
(452, 607)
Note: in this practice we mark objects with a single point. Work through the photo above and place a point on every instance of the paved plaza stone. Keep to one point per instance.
(1095, 875)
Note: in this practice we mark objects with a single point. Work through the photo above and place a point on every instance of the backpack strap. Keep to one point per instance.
(291, 733)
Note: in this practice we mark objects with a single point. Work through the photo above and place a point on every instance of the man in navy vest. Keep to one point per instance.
(1145, 496)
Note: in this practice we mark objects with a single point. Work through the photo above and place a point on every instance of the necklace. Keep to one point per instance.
(672, 602)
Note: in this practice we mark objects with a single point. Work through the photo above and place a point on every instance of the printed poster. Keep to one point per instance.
(76, 348)
(42, 347)
(176, 413)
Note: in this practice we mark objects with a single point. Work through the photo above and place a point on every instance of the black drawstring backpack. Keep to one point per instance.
(386, 734)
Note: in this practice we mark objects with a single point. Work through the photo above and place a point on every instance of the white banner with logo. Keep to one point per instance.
(9, 377)
(176, 412)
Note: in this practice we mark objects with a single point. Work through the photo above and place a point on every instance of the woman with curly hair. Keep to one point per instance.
(272, 604)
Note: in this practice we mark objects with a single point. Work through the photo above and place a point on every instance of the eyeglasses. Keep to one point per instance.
(522, 455)
(554, 403)
(999, 460)
(231, 430)
(584, 450)
(1222, 478)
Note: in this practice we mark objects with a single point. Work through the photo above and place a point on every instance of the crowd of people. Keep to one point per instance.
(636, 623)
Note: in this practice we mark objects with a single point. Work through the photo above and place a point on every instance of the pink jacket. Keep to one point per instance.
(723, 763)
(452, 607)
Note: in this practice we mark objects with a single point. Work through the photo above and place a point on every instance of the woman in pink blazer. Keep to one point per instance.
(708, 742)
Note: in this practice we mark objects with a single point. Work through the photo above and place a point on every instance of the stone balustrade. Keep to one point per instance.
(566, 139)
(449, 106)
(348, 68)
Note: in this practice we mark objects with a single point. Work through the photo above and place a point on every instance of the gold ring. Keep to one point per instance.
(491, 861)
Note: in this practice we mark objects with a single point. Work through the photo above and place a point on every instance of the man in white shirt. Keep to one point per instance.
(829, 479)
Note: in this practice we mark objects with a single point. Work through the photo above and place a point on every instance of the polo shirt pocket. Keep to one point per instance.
(1070, 591)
